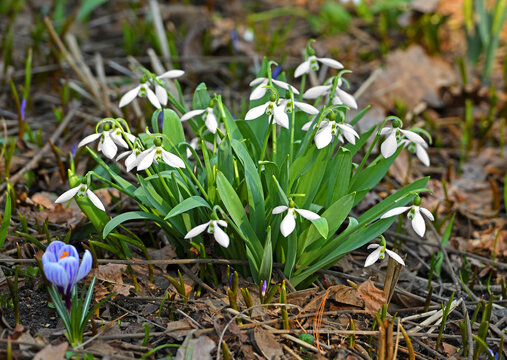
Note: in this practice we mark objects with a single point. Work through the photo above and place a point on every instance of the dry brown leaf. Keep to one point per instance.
(267, 344)
(200, 349)
(51, 352)
(111, 273)
(345, 295)
(44, 199)
(372, 296)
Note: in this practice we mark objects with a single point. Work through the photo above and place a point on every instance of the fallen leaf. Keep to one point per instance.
(372, 296)
(112, 273)
(52, 352)
(345, 295)
(200, 349)
(267, 344)
(44, 199)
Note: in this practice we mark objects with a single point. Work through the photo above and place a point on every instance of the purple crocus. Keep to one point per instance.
(61, 267)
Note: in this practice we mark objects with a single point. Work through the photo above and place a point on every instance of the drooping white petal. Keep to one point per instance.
(345, 98)
(307, 214)
(69, 194)
(307, 125)
(89, 139)
(108, 147)
(171, 74)
(129, 96)
(412, 136)
(307, 108)
(373, 257)
(373, 246)
(421, 153)
(316, 91)
(172, 160)
(192, 113)
(323, 137)
(257, 111)
(389, 146)
(131, 137)
(211, 121)
(161, 94)
(349, 133)
(395, 257)
(116, 135)
(221, 237)
(418, 223)
(258, 92)
(279, 209)
(395, 211)
(332, 63)
(303, 68)
(152, 97)
(130, 162)
(386, 131)
(146, 160)
(258, 80)
(197, 230)
(95, 200)
(285, 86)
(288, 224)
(281, 117)
(123, 154)
(221, 223)
(427, 213)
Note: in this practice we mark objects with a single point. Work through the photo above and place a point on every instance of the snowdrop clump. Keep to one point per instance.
(224, 185)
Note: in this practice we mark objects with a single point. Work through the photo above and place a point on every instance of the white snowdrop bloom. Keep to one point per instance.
(329, 129)
(157, 154)
(160, 91)
(80, 191)
(379, 253)
(142, 90)
(414, 215)
(419, 149)
(273, 110)
(394, 136)
(109, 139)
(195, 144)
(288, 223)
(260, 90)
(312, 64)
(340, 96)
(209, 117)
(213, 227)
(307, 108)
(130, 161)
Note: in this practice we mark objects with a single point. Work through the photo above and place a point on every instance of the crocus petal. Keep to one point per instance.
(89, 139)
(71, 266)
(153, 98)
(95, 200)
(316, 91)
(257, 111)
(307, 214)
(422, 154)
(427, 213)
(86, 265)
(307, 108)
(288, 224)
(129, 96)
(323, 137)
(281, 117)
(69, 194)
(221, 237)
(68, 251)
(412, 136)
(171, 74)
(191, 114)
(395, 257)
(56, 274)
(172, 160)
(332, 63)
(346, 98)
(373, 257)
(395, 211)
(108, 147)
(211, 122)
(197, 230)
(161, 94)
(303, 68)
(418, 224)
(52, 251)
(389, 146)
(279, 209)
(146, 160)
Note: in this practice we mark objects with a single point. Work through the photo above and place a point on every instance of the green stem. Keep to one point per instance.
(292, 125)
(126, 192)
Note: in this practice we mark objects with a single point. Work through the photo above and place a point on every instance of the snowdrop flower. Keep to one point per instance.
(288, 223)
(260, 90)
(130, 161)
(380, 252)
(272, 109)
(209, 117)
(109, 139)
(286, 105)
(419, 149)
(160, 91)
(81, 191)
(195, 144)
(213, 227)
(329, 129)
(394, 136)
(311, 63)
(60, 263)
(414, 215)
(340, 96)
(157, 153)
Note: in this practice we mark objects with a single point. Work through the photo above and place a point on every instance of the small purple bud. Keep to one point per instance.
(264, 288)
(161, 120)
(230, 280)
(234, 40)
(74, 150)
(276, 72)
(22, 109)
